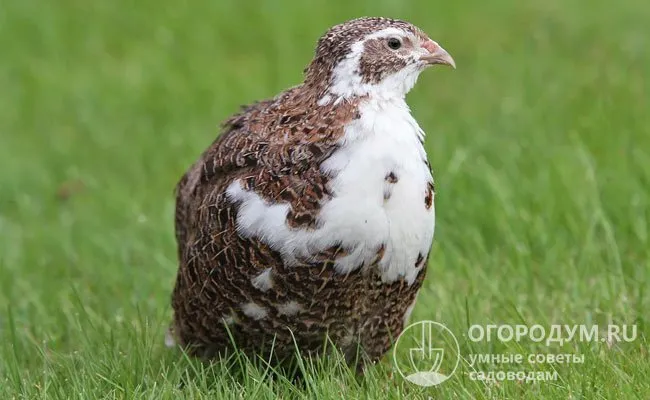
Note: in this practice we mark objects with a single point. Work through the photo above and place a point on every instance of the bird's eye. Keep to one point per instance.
(394, 43)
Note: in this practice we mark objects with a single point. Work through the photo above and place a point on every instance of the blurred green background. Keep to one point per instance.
(540, 144)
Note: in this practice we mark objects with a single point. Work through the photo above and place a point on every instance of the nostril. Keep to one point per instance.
(431, 46)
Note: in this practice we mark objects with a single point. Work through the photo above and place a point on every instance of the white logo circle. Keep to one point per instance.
(429, 353)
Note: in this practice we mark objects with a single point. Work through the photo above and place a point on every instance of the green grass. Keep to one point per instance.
(540, 142)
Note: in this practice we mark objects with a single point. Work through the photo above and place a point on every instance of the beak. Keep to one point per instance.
(437, 55)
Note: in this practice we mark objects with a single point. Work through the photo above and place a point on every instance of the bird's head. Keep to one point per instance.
(376, 57)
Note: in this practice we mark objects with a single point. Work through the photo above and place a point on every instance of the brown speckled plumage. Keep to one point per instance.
(276, 148)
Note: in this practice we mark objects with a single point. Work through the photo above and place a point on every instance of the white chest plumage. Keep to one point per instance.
(380, 184)
(380, 187)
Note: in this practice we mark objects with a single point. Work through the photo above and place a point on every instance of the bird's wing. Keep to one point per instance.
(275, 149)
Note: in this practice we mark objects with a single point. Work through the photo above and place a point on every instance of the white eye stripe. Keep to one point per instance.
(385, 33)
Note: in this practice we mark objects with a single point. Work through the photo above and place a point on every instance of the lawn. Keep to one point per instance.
(540, 144)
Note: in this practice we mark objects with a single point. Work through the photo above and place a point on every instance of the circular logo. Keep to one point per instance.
(426, 353)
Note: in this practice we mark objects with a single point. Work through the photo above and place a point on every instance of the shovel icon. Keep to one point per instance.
(426, 353)
(425, 358)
